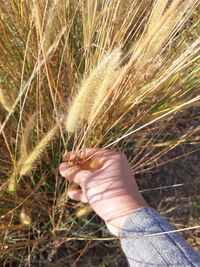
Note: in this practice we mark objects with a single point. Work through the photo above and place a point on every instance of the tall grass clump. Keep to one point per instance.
(74, 74)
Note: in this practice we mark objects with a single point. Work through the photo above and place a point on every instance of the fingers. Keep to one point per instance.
(70, 156)
(75, 161)
(80, 170)
(82, 154)
(78, 195)
(75, 173)
(111, 158)
(89, 152)
(69, 172)
(95, 158)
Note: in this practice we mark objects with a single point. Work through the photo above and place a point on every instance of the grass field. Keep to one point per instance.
(114, 74)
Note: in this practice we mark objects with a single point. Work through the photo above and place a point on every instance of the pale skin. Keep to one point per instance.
(111, 190)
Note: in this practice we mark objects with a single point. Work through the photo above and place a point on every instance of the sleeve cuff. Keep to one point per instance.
(148, 239)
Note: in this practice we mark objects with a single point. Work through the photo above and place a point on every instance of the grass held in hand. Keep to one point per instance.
(74, 74)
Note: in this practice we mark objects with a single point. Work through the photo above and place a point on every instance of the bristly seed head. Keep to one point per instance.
(92, 91)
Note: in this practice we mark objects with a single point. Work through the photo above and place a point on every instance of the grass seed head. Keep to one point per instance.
(12, 183)
(36, 154)
(25, 219)
(5, 101)
(84, 211)
(96, 84)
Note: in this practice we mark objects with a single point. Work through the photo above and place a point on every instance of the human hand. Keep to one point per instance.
(111, 190)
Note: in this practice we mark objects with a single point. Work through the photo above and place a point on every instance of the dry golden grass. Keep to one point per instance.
(109, 73)
(36, 154)
(93, 91)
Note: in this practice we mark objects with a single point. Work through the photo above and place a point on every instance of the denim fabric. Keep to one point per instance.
(145, 244)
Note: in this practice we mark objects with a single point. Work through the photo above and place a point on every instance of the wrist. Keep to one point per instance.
(115, 224)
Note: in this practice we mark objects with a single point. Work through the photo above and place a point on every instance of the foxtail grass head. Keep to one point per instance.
(25, 219)
(12, 183)
(36, 154)
(93, 90)
(5, 100)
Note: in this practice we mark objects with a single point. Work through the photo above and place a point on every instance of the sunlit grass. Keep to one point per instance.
(107, 74)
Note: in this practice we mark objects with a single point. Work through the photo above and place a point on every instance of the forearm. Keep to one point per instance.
(145, 243)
